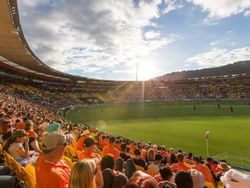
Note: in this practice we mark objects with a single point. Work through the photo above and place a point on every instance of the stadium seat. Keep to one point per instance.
(7, 181)
(28, 175)
(13, 164)
(5, 170)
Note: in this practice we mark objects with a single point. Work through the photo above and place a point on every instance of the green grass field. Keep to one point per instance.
(176, 124)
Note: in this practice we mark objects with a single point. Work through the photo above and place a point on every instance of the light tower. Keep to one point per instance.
(136, 72)
(207, 133)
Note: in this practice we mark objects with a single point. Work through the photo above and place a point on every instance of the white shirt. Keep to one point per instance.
(14, 147)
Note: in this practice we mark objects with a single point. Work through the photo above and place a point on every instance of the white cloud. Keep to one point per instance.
(247, 13)
(70, 35)
(224, 40)
(213, 43)
(219, 57)
(171, 5)
(218, 9)
(152, 34)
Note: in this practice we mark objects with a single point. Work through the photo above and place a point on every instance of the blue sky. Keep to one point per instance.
(107, 39)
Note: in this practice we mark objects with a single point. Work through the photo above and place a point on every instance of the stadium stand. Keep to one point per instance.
(231, 87)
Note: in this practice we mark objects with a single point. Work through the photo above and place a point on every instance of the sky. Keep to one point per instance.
(136, 39)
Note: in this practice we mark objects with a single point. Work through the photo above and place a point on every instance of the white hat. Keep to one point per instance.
(52, 140)
(235, 179)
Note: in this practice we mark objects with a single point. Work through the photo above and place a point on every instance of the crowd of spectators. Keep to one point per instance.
(52, 100)
(77, 156)
(160, 90)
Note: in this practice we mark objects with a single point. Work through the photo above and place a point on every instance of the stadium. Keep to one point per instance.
(183, 129)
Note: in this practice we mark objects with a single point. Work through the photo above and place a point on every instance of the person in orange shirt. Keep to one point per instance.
(180, 164)
(51, 171)
(213, 165)
(203, 169)
(111, 149)
(102, 141)
(79, 143)
(20, 124)
(89, 151)
(132, 147)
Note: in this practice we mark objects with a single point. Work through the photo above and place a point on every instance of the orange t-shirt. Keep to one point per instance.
(102, 143)
(110, 149)
(88, 155)
(32, 134)
(20, 125)
(179, 166)
(205, 171)
(79, 143)
(52, 175)
(132, 148)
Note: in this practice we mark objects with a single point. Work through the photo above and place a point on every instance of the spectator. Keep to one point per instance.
(183, 180)
(33, 143)
(123, 153)
(107, 162)
(89, 150)
(86, 175)
(118, 179)
(142, 180)
(172, 156)
(139, 162)
(180, 165)
(165, 177)
(53, 127)
(108, 177)
(154, 166)
(129, 168)
(6, 128)
(119, 164)
(14, 145)
(203, 169)
(111, 149)
(198, 178)
(79, 144)
(235, 179)
(51, 171)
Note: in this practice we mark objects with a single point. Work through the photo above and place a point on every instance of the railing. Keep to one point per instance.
(236, 161)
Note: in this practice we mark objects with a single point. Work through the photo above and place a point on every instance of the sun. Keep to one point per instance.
(146, 71)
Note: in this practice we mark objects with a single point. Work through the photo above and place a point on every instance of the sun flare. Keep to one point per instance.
(146, 71)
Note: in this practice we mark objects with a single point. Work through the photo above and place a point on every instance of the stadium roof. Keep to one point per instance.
(16, 54)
